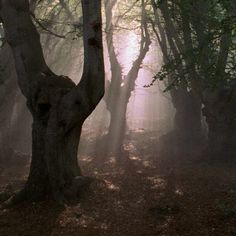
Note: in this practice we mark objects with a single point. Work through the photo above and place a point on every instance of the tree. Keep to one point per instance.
(58, 106)
(119, 90)
(207, 61)
(11, 100)
(188, 118)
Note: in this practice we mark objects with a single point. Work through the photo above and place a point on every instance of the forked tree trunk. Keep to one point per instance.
(57, 105)
(119, 91)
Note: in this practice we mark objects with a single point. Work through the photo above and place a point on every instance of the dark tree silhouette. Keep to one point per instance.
(201, 65)
(188, 105)
(58, 106)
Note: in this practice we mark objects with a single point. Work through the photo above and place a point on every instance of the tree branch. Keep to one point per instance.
(24, 40)
(93, 74)
(144, 48)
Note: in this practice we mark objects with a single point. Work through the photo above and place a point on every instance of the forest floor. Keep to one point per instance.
(141, 194)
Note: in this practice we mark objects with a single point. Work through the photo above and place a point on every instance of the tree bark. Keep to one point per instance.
(188, 116)
(220, 99)
(119, 90)
(220, 114)
(187, 120)
(57, 105)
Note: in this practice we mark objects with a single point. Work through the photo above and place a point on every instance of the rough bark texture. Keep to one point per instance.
(57, 105)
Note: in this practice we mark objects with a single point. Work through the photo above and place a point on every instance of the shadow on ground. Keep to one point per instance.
(144, 193)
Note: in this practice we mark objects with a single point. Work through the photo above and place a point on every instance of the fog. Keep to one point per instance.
(156, 154)
(148, 110)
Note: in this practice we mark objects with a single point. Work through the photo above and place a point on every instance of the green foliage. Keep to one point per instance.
(206, 31)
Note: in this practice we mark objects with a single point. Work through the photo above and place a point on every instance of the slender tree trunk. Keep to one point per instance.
(117, 128)
(119, 91)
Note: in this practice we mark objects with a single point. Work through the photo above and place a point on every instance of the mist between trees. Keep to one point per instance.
(156, 74)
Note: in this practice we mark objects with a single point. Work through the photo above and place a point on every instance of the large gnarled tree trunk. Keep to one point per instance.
(57, 105)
